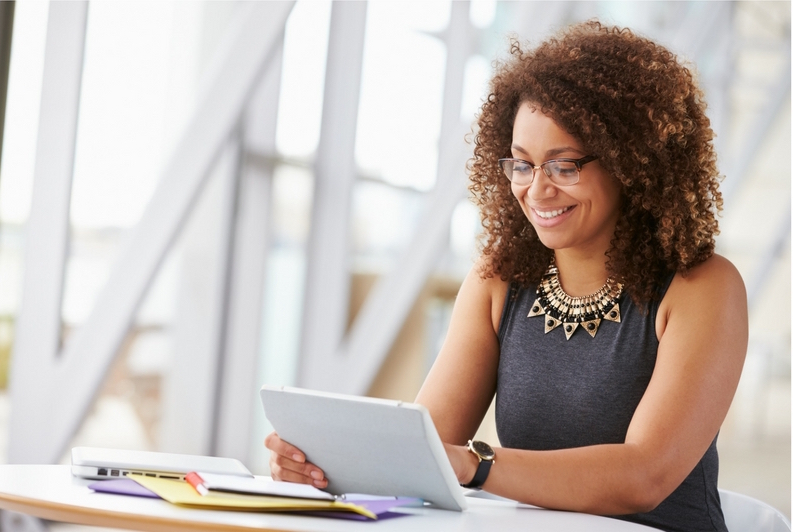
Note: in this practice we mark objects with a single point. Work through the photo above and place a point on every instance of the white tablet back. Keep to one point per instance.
(366, 445)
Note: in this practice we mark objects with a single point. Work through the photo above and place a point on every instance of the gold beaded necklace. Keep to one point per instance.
(559, 308)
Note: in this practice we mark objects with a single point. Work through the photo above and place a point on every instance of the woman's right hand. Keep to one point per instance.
(288, 463)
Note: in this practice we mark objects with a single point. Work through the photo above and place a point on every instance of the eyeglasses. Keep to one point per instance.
(562, 172)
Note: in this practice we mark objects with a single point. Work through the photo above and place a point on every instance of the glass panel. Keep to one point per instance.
(383, 223)
(303, 78)
(143, 63)
(120, 139)
(475, 86)
(482, 13)
(401, 92)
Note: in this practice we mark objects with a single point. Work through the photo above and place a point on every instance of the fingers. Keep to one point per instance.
(288, 463)
(280, 471)
(280, 447)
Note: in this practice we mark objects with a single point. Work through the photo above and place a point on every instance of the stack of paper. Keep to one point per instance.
(222, 492)
(215, 484)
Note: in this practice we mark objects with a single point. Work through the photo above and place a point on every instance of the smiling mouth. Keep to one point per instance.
(548, 215)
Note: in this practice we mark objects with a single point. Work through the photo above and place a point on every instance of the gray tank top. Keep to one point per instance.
(554, 393)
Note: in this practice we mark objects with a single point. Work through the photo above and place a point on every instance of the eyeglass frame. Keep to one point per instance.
(579, 163)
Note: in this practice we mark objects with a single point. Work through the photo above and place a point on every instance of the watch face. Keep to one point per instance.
(483, 450)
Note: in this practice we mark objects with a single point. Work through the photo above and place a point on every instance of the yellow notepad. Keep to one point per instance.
(181, 493)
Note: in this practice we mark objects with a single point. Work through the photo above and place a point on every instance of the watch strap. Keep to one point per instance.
(481, 475)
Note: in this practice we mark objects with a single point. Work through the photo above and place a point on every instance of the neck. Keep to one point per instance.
(581, 274)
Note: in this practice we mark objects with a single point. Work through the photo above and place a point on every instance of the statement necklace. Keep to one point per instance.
(559, 308)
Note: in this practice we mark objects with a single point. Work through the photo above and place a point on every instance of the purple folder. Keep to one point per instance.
(122, 486)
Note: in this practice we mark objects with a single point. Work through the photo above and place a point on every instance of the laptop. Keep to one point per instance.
(103, 463)
(366, 445)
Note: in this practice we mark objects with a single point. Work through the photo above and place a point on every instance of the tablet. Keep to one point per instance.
(101, 463)
(366, 445)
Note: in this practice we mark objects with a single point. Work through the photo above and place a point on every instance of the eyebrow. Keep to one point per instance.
(550, 153)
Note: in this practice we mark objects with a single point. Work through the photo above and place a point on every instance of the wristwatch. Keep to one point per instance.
(487, 457)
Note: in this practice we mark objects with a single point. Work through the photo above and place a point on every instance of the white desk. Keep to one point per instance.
(50, 492)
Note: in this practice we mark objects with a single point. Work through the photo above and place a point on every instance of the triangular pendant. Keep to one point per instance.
(551, 323)
(591, 326)
(536, 309)
(569, 329)
(613, 314)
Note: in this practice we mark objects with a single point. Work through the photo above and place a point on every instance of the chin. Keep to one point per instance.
(553, 245)
(551, 241)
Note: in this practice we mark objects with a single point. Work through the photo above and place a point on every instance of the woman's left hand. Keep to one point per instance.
(463, 462)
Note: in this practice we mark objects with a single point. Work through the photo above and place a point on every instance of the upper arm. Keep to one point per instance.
(462, 381)
(702, 326)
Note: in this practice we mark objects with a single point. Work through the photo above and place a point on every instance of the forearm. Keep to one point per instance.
(600, 479)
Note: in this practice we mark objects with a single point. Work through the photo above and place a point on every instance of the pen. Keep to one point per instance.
(197, 482)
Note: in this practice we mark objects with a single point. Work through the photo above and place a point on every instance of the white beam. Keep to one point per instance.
(460, 41)
(252, 39)
(381, 316)
(383, 313)
(191, 385)
(326, 305)
(38, 330)
(239, 400)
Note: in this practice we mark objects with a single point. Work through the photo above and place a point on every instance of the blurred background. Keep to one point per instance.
(197, 198)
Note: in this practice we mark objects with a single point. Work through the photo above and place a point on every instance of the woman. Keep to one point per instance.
(598, 314)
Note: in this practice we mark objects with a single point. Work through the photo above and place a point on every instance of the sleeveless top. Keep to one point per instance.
(554, 393)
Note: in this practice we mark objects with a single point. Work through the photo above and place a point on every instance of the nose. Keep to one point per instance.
(541, 187)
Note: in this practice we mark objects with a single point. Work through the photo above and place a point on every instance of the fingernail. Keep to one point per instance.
(319, 483)
(317, 475)
(297, 457)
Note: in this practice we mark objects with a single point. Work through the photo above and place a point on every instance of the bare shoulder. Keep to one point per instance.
(717, 277)
(490, 290)
(712, 290)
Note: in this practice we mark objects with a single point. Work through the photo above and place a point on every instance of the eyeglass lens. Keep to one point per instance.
(559, 172)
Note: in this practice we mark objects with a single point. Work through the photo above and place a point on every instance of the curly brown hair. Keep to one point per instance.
(629, 101)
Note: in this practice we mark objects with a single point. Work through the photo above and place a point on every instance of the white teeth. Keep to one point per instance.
(546, 215)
